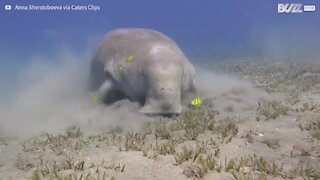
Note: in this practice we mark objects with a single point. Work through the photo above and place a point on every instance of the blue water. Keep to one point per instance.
(203, 29)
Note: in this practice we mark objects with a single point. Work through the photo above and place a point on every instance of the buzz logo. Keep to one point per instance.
(290, 8)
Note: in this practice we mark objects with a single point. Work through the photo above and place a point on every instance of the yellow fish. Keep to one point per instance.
(120, 68)
(130, 58)
(95, 98)
(197, 102)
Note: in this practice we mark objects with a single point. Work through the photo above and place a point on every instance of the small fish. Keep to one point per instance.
(197, 102)
(120, 68)
(130, 58)
(95, 98)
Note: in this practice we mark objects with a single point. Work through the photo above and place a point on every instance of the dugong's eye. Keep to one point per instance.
(162, 90)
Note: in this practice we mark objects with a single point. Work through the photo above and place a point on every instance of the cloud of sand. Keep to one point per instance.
(228, 93)
(51, 95)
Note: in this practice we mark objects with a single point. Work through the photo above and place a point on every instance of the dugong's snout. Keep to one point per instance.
(163, 101)
(161, 110)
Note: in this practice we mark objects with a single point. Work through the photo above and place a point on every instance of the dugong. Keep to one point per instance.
(145, 66)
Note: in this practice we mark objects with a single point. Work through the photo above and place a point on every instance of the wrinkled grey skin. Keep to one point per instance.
(159, 76)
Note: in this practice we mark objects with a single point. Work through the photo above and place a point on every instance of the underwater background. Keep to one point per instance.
(202, 28)
(206, 30)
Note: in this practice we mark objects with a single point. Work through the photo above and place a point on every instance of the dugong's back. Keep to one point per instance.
(131, 40)
(121, 42)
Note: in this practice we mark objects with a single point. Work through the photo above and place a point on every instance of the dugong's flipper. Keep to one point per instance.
(108, 93)
(106, 88)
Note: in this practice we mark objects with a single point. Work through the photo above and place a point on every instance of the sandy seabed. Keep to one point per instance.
(260, 119)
